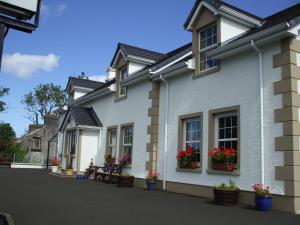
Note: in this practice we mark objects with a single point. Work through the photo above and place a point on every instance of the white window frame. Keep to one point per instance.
(207, 37)
(110, 145)
(217, 117)
(185, 142)
(123, 74)
(127, 144)
(36, 140)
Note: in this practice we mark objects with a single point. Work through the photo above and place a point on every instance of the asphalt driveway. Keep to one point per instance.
(33, 197)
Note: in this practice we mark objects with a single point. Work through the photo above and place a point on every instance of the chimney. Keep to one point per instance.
(33, 127)
(51, 120)
(110, 73)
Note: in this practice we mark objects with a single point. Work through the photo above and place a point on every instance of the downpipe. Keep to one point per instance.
(262, 125)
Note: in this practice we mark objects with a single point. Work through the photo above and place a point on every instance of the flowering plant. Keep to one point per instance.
(187, 156)
(261, 189)
(152, 176)
(125, 160)
(231, 186)
(55, 162)
(222, 155)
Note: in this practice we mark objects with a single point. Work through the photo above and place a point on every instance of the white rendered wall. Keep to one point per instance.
(230, 29)
(89, 147)
(78, 94)
(133, 67)
(133, 109)
(237, 83)
(28, 4)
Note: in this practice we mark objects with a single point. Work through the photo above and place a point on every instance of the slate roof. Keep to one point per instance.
(78, 82)
(85, 116)
(138, 52)
(217, 4)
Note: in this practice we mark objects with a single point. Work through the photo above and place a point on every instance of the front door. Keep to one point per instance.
(71, 146)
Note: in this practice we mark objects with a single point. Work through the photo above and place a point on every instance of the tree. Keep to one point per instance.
(3, 92)
(43, 100)
(7, 137)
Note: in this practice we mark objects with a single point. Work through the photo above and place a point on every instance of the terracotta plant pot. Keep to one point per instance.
(69, 172)
(222, 166)
(226, 197)
(126, 181)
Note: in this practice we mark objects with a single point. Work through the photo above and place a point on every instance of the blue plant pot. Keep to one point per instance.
(151, 186)
(263, 203)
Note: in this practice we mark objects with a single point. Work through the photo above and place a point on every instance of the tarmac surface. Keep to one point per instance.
(33, 197)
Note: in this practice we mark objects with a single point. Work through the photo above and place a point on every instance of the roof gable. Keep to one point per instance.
(218, 7)
(135, 53)
(83, 83)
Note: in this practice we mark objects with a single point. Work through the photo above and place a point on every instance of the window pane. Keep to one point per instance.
(228, 121)
(234, 132)
(209, 41)
(209, 32)
(234, 121)
(221, 122)
(221, 134)
(228, 133)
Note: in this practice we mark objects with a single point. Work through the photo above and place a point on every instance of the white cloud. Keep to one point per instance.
(25, 66)
(98, 78)
(53, 10)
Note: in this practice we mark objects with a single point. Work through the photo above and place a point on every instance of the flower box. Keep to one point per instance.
(222, 166)
(226, 197)
(189, 165)
(126, 181)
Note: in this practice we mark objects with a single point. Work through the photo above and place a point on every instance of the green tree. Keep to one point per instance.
(43, 100)
(7, 137)
(3, 92)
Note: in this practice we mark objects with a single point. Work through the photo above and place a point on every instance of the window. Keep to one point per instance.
(224, 133)
(207, 63)
(123, 76)
(36, 143)
(190, 134)
(127, 143)
(112, 143)
(208, 37)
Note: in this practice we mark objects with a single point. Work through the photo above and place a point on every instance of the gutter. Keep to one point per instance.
(171, 71)
(261, 100)
(243, 44)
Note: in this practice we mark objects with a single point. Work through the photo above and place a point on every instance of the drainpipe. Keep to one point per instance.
(262, 126)
(166, 129)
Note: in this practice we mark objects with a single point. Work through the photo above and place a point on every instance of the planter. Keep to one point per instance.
(125, 181)
(222, 166)
(263, 203)
(54, 169)
(226, 197)
(151, 185)
(69, 172)
(188, 165)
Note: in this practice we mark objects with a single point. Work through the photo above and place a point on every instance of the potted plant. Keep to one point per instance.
(223, 158)
(187, 158)
(69, 170)
(125, 160)
(55, 164)
(125, 180)
(109, 159)
(263, 198)
(151, 179)
(226, 194)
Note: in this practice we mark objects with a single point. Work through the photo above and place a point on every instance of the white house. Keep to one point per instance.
(235, 85)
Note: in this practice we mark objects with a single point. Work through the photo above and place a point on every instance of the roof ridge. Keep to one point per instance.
(140, 48)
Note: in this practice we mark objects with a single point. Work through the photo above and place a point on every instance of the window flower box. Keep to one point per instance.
(223, 159)
(187, 159)
(226, 195)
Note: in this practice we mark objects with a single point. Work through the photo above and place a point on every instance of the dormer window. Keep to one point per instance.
(123, 76)
(208, 37)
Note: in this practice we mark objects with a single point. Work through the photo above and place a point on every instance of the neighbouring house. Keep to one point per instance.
(40, 141)
(236, 85)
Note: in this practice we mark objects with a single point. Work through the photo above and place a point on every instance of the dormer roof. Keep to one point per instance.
(219, 7)
(84, 84)
(141, 55)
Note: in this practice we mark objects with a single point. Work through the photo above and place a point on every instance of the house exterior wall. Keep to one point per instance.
(133, 67)
(78, 94)
(236, 84)
(134, 110)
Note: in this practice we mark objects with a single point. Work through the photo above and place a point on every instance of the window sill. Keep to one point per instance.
(117, 99)
(198, 170)
(206, 72)
(221, 172)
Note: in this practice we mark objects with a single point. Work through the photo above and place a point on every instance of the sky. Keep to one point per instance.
(76, 37)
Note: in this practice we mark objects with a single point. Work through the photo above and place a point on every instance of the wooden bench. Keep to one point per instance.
(108, 170)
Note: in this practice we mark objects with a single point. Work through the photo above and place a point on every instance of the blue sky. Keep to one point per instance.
(75, 36)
